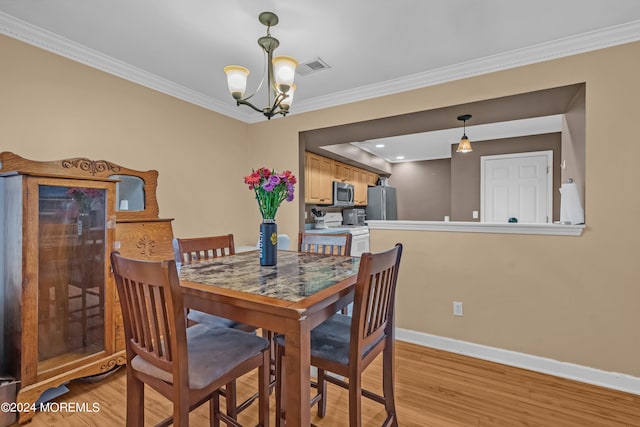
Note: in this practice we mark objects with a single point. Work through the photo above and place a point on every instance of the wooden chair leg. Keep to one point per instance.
(264, 385)
(355, 401)
(181, 413)
(135, 400)
(322, 391)
(279, 385)
(214, 409)
(387, 384)
(230, 399)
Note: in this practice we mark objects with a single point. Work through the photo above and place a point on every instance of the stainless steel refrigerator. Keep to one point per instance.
(381, 203)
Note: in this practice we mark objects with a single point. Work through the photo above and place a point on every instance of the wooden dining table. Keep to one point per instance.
(290, 298)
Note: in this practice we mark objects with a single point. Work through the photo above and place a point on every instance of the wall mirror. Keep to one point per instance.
(129, 193)
(135, 194)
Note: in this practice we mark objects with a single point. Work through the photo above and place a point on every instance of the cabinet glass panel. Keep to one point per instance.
(71, 273)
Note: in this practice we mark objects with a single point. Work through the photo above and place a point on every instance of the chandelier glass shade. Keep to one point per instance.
(236, 80)
(280, 73)
(286, 102)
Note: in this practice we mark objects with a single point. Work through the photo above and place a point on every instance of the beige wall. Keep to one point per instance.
(574, 299)
(53, 108)
(424, 189)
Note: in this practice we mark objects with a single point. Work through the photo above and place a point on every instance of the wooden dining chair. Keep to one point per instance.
(202, 248)
(196, 249)
(186, 365)
(325, 244)
(199, 248)
(346, 345)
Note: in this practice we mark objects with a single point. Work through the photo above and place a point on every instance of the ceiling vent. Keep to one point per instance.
(312, 66)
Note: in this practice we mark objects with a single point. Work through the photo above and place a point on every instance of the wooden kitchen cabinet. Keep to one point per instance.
(371, 178)
(60, 222)
(318, 179)
(360, 187)
(321, 171)
(343, 172)
(362, 181)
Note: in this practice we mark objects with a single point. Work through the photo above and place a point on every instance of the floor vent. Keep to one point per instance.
(312, 66)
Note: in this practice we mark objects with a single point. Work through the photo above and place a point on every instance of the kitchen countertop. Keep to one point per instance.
(338, 230)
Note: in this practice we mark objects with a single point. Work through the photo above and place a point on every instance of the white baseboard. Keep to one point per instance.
(612, 380)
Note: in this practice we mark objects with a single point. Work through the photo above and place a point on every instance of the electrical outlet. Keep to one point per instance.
(475, 214)
(457, 308)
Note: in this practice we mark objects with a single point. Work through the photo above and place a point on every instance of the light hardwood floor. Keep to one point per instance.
(433, 388)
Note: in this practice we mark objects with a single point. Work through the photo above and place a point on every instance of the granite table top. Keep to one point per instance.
(295, 277)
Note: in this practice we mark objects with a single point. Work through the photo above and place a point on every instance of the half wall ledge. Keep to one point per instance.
(479, 227)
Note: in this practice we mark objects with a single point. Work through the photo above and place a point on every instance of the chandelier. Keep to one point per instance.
(280, 72)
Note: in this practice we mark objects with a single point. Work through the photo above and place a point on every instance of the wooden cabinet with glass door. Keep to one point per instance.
(58, 322)
(61, 312)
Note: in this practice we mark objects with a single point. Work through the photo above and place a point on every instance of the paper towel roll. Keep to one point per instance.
(571, 210)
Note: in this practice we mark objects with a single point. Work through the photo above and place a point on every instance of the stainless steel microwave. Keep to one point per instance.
(343, 194)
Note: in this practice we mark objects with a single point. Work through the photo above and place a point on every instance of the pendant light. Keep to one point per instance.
(465, 145)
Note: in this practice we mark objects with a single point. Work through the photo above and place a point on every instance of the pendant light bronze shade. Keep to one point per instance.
(465, 145)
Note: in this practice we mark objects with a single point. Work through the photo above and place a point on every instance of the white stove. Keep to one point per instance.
(356, 229)
(331, 223)
(329, 220)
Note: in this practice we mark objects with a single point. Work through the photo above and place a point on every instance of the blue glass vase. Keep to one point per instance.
(268, 242)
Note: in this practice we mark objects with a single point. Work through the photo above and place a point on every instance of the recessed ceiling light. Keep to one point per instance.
(379, 145)
(399, 157)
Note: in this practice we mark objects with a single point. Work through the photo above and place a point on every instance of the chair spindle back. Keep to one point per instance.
(325, 244)
(199, 248)
(152, 310)
(374, 297)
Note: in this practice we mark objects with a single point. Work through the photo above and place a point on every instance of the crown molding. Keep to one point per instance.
(36, 36)
(568, 46)
(585, 42)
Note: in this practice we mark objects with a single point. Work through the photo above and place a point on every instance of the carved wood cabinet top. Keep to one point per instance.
(84, 168)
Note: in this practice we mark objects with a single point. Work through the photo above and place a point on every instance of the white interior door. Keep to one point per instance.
(517, 186)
